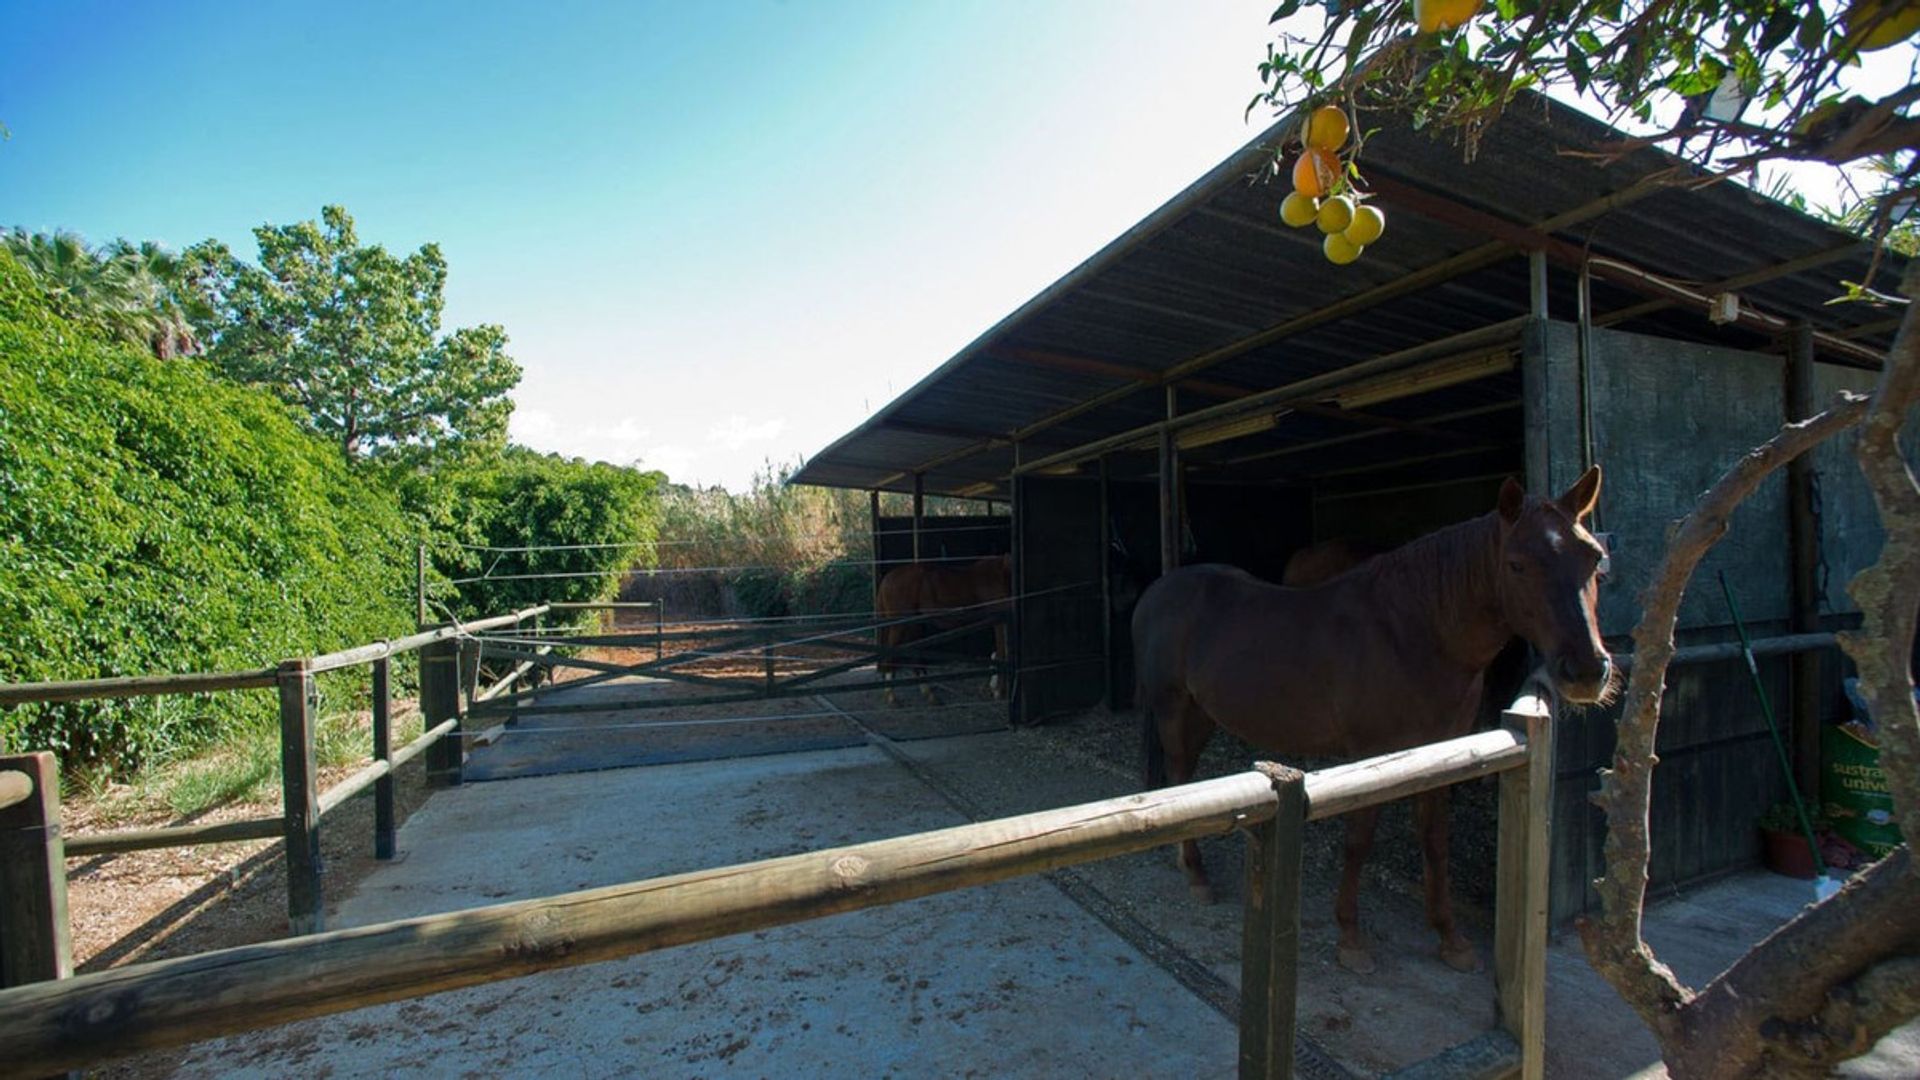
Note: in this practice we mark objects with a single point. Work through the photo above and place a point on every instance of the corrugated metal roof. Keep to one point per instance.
(1214, 268)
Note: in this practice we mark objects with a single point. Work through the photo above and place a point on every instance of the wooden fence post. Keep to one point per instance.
(439, 701)
(383, 751)
(1270, 946)
(300, 798)
(1521, 891)
(36, 941)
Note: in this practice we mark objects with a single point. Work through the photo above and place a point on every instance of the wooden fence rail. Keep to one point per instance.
(74, 1022)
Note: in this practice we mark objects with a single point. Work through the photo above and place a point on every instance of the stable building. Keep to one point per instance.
(1207, 387)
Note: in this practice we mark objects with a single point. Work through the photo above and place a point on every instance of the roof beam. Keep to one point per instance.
(1534, 238)
(1448, 211)
(1758, 275)
(948, 431)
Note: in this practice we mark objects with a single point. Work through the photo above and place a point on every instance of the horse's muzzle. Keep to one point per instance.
(1584, 681)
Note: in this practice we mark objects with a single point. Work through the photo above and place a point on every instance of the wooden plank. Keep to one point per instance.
(124, 840)
(1522, 889)
(1335, 791)
(15, 787)
(148, 1006)
(1782, 644)
(440, 706)
(429, 738)
(1270, 939)
(306, 912)
(366, 654)
(36, 943)
(383, 793)
(360, 780)
(1803, 545)
(136, 686)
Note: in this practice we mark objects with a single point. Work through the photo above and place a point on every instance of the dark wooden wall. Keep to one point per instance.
(1666, 419)
(1058, 610)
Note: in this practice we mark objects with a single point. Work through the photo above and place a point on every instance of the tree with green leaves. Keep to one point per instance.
(350, 334)
(129, 292)
(1731, 86)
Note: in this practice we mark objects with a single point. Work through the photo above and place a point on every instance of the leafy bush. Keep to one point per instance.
(154, 518)
(588, 523)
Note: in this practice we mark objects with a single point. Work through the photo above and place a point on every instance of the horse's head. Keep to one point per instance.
(1549, 584)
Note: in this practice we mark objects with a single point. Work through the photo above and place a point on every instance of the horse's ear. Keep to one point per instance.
(1579, 500)
(1513, 499)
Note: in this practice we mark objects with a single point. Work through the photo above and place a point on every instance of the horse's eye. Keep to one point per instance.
(1514, 565)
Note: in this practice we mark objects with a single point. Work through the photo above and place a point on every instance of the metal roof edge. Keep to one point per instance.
(1253, 152)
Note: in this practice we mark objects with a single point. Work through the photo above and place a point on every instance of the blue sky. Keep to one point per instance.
(715, 233)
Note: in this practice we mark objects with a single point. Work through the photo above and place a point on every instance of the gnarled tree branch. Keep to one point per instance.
(1613, 941)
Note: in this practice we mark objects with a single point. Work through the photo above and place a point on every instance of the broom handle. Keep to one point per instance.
(1773, 728)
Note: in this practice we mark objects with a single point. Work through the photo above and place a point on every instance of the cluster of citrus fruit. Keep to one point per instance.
(1321, 194)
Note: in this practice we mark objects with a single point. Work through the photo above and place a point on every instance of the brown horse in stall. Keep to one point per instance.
(959, 594)
(1325, 561)
(1388, 656)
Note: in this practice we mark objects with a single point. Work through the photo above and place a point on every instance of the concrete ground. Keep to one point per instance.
(1007, 980)
(1106, 970)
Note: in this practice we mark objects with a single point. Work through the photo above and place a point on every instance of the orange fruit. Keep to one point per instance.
(1315, 172)
(1434, 15)
(1339, 250)
(1326, 128)
(1335, 214)
(1367, 225)
(1297, 210)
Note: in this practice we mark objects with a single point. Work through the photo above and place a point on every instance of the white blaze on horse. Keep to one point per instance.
(952, 597)
(1388, 655)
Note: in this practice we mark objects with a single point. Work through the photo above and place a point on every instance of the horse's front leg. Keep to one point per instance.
(1353, 953)
(1430, 811)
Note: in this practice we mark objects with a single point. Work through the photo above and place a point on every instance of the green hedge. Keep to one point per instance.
(154, 518)
(588, 522)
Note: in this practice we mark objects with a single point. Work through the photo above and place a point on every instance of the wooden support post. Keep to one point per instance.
(919, 511)
(1270, 945)
(36, 942)
(1803, 545)
(1106, 586)
(766, 659)
(1169, 493)
(383, 827)
(1521, 891)
(1017, 611)
(1537, 284)
(873, 535)
(299, 794)
(440, 701)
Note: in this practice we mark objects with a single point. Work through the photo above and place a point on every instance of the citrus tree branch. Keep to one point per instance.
(1613, 940)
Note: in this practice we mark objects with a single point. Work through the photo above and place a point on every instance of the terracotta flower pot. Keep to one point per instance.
(1786, 853)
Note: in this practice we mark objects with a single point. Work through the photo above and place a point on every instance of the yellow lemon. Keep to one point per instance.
(1335, 214)
(1367, 225)
(1315, 172)
(1326, 128)
(1434, 15)
(1901, 18)
(1339, 250)
(1297, 210)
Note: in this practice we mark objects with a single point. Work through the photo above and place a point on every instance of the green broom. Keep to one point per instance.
(1824, 884)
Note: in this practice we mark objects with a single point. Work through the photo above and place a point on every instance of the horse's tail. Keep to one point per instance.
(1152, 750)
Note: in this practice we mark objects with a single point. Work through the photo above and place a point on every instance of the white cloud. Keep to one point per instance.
(531, 426)
(625, 433)
(670, 458)
(737, 432)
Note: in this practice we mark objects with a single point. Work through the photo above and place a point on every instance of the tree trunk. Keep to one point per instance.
(1831, 982)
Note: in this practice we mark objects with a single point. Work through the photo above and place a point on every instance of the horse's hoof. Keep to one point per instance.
(1359, 961)
(1462, 957)
(1202, 892)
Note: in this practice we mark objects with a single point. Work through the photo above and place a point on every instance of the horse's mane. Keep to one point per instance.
(1449, 572)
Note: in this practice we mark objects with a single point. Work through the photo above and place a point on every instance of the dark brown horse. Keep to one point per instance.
(958, 594)
(1388, 656)
(1325, 561)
